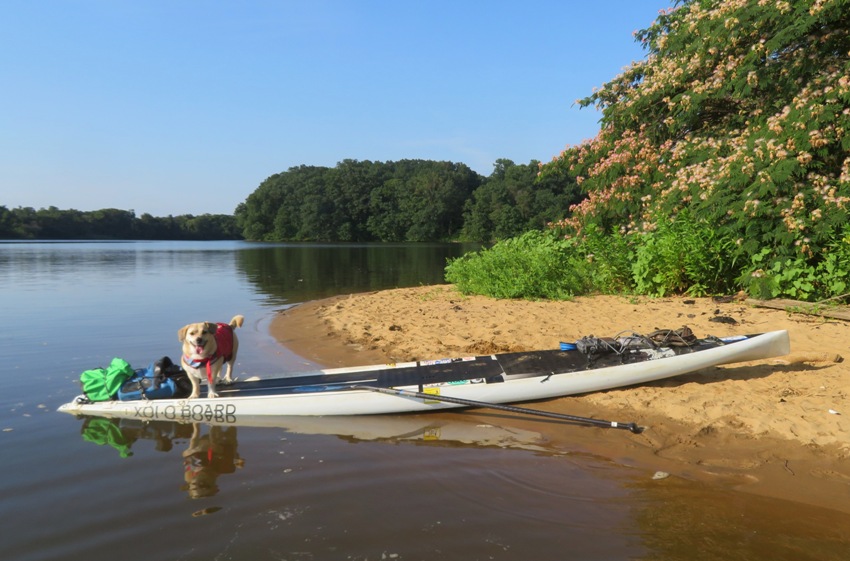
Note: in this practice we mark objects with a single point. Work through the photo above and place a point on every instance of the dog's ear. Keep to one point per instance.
(210, 327)
(181, 335)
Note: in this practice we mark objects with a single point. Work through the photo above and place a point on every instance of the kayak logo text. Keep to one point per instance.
(220, 413)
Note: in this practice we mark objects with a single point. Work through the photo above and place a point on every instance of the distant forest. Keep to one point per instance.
(356, 201)
(112, 224)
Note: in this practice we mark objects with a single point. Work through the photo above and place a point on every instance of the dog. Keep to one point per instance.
(207, 347)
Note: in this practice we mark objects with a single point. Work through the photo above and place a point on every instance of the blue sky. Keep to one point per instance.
(186, 106)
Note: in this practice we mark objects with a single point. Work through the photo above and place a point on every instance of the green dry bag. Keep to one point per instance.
(102, 384)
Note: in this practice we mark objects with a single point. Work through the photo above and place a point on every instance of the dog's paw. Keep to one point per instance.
(193, 395)
(211, 394)
(227, 380)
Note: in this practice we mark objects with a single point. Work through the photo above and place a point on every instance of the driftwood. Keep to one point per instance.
(797, 307)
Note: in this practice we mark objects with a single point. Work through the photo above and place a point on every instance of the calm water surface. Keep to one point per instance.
(441, 486)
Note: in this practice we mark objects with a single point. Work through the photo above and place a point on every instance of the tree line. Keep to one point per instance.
(55, 224)
(404, 201)
(355, 201)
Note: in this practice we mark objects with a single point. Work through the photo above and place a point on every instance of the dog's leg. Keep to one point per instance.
(228, 372)
(196, 386)
(211, 391)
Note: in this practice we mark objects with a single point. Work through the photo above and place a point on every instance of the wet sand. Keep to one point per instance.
(778, 427)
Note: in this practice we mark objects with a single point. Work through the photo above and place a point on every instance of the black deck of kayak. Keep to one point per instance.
(489, 369)
(421, 374)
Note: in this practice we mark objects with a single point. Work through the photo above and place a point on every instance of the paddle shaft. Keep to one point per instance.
(502, 407)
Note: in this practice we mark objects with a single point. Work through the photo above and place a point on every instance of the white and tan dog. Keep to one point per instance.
(207, 347)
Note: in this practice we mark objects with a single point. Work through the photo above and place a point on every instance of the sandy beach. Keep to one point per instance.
(778, 427)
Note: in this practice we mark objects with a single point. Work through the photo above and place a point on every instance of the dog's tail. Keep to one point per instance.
(237, 321)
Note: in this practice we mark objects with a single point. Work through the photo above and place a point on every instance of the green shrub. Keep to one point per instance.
(605, 260)
(685, 256)
(770, 276)
(681, 256)
(543, 265)
(533, 265)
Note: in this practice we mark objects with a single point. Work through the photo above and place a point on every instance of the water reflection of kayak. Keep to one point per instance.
(397, 428)
(123, 433)
(592, 364)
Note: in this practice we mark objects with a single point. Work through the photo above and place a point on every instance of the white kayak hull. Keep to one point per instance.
(341, 399)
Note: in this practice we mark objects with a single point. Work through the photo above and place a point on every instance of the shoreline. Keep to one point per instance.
(763, 426)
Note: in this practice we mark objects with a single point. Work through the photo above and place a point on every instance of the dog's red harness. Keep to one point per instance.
(224, 349)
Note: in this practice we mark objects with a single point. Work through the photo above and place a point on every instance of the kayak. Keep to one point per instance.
(589, 365)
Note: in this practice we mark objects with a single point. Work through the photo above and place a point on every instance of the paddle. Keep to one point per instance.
(512, 408)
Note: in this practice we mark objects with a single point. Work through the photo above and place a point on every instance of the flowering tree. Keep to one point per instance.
(739, 114)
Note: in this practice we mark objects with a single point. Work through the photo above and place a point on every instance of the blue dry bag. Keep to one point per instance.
(161, 380)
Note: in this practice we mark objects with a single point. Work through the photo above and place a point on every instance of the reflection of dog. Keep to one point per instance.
(206, 348)
(207, 457)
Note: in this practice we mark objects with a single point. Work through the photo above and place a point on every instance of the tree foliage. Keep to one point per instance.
(740, 114)
(410, 200)
(514, 200)
(402, 201)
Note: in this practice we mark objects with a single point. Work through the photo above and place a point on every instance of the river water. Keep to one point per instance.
(445, 486)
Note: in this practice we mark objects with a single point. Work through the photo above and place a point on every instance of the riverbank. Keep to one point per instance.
(778, 427)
